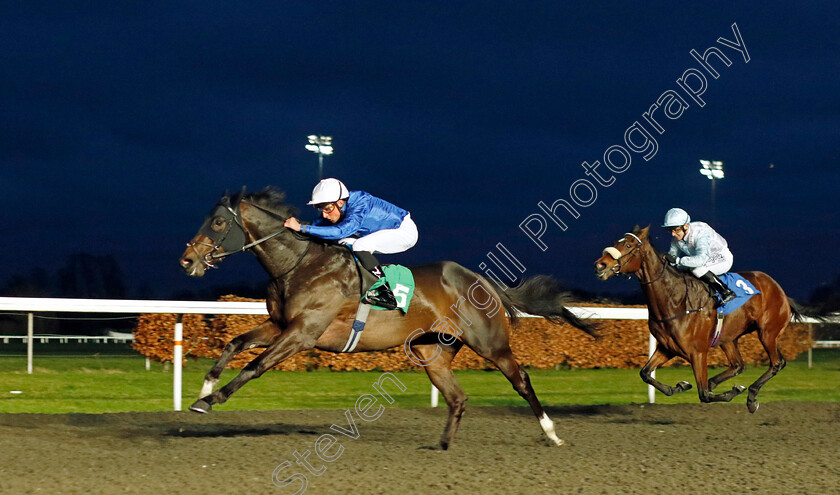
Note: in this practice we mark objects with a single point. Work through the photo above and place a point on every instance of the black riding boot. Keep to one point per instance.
(726, 294)
(381, 296)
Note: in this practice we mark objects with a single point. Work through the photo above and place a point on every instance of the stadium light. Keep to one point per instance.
(322, 145)
(713, 170)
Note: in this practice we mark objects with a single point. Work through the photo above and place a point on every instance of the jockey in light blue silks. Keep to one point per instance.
(701, 250)
(363, 222)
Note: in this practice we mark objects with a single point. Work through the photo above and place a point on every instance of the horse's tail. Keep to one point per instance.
(800, 312)
(542, 296)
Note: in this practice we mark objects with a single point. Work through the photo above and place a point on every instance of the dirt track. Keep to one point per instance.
(785, 448)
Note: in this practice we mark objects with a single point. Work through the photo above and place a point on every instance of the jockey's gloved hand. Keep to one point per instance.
(670, 258)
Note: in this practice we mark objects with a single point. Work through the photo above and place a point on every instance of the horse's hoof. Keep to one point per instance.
(559, 442)
(683, 386)
(738, 389)
(752, 406)
(201, 406)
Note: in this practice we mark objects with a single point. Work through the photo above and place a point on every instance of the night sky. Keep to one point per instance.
(122, 126)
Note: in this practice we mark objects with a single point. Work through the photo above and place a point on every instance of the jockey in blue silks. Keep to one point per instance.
(698, 248)
(363, 222)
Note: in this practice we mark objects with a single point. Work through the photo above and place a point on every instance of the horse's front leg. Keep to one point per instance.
(660, 357)
(701, 375)
(260, 336)
(295, 338)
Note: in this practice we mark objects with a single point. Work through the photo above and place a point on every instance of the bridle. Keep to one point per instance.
(618, 257)
(618, 266)
(233, 216)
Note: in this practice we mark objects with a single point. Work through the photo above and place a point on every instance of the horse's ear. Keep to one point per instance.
(234, 201)
(641, 232)
(225, 199)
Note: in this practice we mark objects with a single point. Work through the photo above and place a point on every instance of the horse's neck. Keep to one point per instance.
(664, 291)
(291, 255)
(280, 254)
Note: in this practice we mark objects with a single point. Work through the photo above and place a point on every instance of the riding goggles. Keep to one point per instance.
(327, 208)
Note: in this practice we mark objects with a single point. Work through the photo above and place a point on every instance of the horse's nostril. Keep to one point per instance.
(185, 262)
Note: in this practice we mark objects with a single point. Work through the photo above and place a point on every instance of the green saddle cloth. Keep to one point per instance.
(401, 281)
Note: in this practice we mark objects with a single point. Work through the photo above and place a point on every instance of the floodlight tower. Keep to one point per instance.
(713, 170)
(322, 145)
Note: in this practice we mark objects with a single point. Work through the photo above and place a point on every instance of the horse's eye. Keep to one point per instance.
(218, 224)
(627, 246)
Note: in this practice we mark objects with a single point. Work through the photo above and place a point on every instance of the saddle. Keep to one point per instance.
(401, 281)
(743, 289)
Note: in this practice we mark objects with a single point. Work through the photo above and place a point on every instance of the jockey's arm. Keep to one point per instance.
(349, 225)
(702, 251)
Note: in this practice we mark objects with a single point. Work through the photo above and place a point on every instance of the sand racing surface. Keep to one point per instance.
(785, 448)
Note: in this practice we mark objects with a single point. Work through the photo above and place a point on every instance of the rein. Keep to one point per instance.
(246, 246)
(270, 236)
(686, 298)
(275, 214)
(661, 274)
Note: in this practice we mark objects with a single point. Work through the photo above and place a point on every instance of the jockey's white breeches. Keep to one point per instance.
(718, 263)
(387, 241)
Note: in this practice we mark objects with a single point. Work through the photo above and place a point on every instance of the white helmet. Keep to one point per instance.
(328, 191)
(676, 217)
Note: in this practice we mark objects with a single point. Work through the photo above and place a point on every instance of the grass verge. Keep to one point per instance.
(99, 384)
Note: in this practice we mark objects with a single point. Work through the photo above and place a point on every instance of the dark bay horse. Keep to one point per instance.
(682, 318)
(314, 292)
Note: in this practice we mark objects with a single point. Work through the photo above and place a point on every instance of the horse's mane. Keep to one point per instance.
(273, 199)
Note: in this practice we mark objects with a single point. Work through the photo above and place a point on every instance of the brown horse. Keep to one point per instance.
(314, 292)
(682, 318)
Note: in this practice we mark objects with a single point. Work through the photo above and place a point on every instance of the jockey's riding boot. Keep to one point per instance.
(382, 296)
(726, 294)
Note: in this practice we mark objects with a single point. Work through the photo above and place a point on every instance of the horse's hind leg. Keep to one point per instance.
(491, 343)
(260, 336)
(440, 373)
(660, 357)
(701, 376)
(777, 362)
(736, 365)
(507, 364)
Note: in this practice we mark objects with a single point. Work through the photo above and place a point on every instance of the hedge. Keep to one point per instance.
(535, 342)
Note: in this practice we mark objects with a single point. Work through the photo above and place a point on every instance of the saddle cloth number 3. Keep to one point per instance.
(743, 285)
(401, 295)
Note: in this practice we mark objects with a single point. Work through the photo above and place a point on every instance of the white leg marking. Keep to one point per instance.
(548, 427)
(207, 389)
